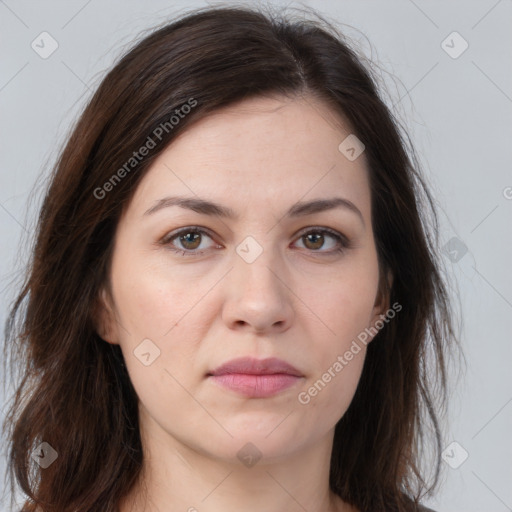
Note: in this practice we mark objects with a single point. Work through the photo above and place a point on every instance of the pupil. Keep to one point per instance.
(188, 236)
(317, 237)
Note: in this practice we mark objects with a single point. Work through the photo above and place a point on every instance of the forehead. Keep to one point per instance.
(260, 149)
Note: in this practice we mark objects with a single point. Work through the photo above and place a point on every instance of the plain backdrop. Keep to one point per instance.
(456, 103)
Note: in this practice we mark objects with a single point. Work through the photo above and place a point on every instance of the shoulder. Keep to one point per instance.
(422, 508)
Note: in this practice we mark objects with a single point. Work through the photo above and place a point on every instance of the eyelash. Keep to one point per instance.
(343, 242)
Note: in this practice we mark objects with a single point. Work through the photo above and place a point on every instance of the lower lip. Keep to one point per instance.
(256, 386)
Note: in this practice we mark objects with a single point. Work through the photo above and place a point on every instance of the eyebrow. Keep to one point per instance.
(206, 207)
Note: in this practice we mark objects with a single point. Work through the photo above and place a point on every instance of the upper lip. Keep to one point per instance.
(252, 366)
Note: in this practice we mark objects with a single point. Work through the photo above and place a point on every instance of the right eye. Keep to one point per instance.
(190, 240)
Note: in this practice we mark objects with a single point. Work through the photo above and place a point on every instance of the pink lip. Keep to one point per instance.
(256, 378)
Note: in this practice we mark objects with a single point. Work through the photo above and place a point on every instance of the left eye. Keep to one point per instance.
(317, 239)
(191, 238)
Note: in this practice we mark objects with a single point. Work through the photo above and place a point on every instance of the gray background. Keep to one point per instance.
(457, 111)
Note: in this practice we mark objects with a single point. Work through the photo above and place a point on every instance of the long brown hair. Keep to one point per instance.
(75, 393)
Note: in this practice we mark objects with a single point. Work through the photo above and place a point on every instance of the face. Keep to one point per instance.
(271, 274)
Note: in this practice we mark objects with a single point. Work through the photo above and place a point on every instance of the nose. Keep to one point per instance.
(258, 298)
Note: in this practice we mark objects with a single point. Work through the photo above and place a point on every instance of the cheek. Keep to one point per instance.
(344, 306)
(152, 301)
(330, 392)
(173, 311)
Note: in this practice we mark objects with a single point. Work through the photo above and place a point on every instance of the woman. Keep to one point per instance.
(234, 291)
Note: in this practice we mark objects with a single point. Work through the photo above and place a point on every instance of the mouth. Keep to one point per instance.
(256, 378)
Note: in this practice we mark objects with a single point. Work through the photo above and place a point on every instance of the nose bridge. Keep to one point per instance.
(258, 262)
(256, 295)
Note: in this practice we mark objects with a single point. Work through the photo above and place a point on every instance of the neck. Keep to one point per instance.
(176, 477)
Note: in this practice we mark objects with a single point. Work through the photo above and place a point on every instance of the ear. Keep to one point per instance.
(104, 318)
(382, 301)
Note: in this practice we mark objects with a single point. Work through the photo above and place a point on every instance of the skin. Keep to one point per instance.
(298, 301)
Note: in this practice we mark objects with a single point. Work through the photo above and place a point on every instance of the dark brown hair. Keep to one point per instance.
(74, 391)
